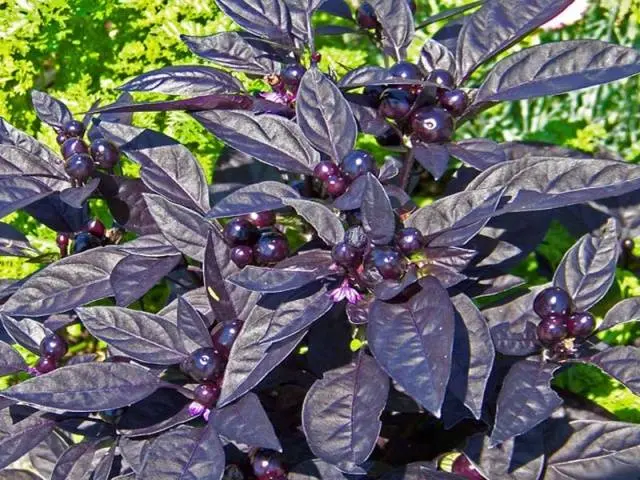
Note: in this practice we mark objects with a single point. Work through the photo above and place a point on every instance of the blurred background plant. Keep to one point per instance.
(81, 50)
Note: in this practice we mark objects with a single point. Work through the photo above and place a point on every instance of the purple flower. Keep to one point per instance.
(196, 409)
(345, 291)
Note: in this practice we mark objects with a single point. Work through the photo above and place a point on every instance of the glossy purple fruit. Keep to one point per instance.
(207, 394)
(242, 255)
(72, 146)
(316, 57)
(240, 231)
(552, 301)
(628, 244)
(432, 125)
(53, 346)
(580, 325)
(552, 330)
(104, 153)
(441, 78)
(271, 248)
(325, 169)
(262, 219)
(463, 467)
(97, 228)
(79, 167)
(356, 163)
(345, 255)
(62, 240)
(204, 365)
(225, 335)
(46, 365)
(85, 241)
(336, 185)
(454, 101)
(366, 17)
(389, 262)
(268, 465)
(406, 70)
(61, 137)
(73, 128)
(292, 74)
(409, 240)
(395, 103)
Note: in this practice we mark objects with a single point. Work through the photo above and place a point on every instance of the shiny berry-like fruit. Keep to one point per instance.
(389, 262)
(552, 330)
(442, 78)
(346, 256)
(242, 255)
(405, 70)
(580, 325)
(62, 240)
(356, 238)
(225, 335)
(85, 241)
(46, 365)
(432, 125)
(356, 163)
(268, 465)
(292, 74)
(72, 146)
(104, 153)
(325, 169)
(316, 57)
(454, 101)
(628, 244)
(61, 137)
(79, 166)
(73, 128)
(552, 301)
(240, 231)
(409, 240)
(463, 467)
(336, 185)
(53, 346)
(271, 248)
(395, 103)
(96, 227)
(262, 219)
(366, 17)
(204, 365)
(207, 394)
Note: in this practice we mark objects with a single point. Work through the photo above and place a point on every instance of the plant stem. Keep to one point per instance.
(407, 166)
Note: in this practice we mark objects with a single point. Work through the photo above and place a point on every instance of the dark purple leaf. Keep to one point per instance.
(624, 312)
(259, 197)
(358, 314)
(126, 203)
(185, 229)
(267, 19)
(50, 110)
(435, 56)
(478, 153)
(26, 332)
(154, 245)
(13, 242)
(378, 218)
(77, 196)
(12, 474)
(341, 413)
(621, 363)
(448, 13)
(62, 286)
(184, 80)
(10, 135)
(324, 115)
(45, 455)
(163, 409)
(135, 275)
(433, 157)
(181, 417)
(10, 360)
(339, 8)
(388, 289)
(133, 451)
(473, 355)
(390, 169)
(324, 221)
(192, 326)
(245, 421)
(419, 471)
(588, 269)
(271, 139)
(498, 25)
(18, 439)
(223, 101)
(197, 298)
(105, 464)
(14, 161)
(585, 448)
(275, 280)
(352, 198)
(559, 67)
(87, 387)
(316, 469)
(185, 453)
(413, 342)
(364, 75)
(75, 462)
(396, 20)
(449, 34)
(544, 183)
(18, 192)
(525, 400)
(143, 336)
(454, 220)
(232, 50)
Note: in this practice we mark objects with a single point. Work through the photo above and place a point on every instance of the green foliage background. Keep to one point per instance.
(81, 50)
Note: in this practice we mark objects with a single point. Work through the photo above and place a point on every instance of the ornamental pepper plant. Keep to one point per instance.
(319, 323)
